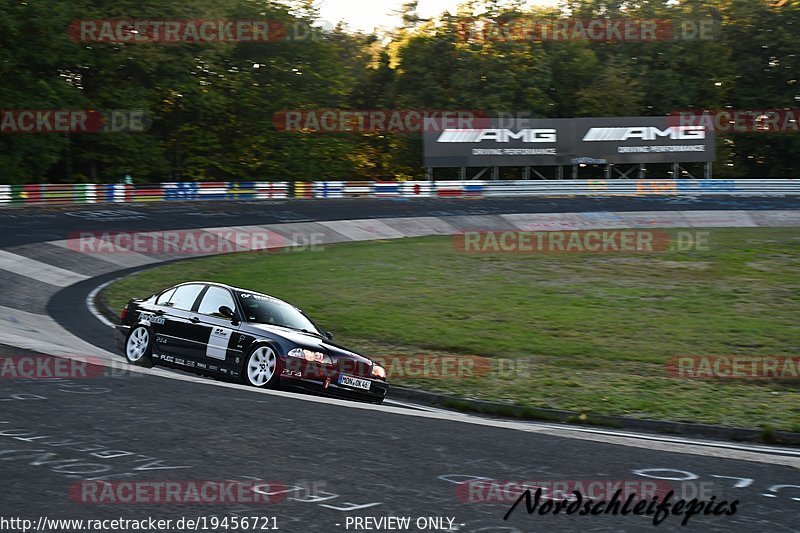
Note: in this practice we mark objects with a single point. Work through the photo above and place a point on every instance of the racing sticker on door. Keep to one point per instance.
(218, 342)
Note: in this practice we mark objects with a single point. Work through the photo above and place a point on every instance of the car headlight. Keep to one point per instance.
(378, 371)
(310, 356)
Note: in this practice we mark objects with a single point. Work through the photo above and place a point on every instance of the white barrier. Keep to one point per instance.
(271, 189)
(685, 187)
(418, 189)
(94, 193)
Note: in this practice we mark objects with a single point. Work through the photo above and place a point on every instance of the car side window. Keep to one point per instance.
(213, 299)
(184, 297)
(164, 298)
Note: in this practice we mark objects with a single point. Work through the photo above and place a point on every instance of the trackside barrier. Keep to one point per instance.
(271, 189)
(328, 189)
(145, 193)
(689, 187)
(356, 189)
(49, 194)
(302, 189)
(82, 193)
(418, 189)
(114, 193)
(446, 189)
(245, 190)
(387, 189)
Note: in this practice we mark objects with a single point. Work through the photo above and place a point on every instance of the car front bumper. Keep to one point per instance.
(324, 379)
(377, 392)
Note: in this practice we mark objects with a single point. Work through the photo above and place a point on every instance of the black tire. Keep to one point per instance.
(261, 368)
(139, 347)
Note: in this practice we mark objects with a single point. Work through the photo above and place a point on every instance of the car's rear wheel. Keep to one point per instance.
(261, 368)
(138, 347)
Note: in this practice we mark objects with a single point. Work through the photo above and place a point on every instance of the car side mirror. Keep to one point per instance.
(227, 312)
(329, 335)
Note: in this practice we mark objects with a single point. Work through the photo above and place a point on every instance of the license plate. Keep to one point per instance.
(357, 383)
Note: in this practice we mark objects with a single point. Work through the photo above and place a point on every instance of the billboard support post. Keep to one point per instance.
(479, 174)
(642, 171)
(623, 175)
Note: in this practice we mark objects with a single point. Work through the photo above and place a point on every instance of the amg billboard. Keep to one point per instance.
(534, 142)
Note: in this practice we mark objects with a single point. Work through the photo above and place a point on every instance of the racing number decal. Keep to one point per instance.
(218, 342)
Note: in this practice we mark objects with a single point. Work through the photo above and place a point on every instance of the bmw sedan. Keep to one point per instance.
(226, 332)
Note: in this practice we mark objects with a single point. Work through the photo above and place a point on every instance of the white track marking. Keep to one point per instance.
(42, 334)
(30, 268)
(367, 229)
(93, 308)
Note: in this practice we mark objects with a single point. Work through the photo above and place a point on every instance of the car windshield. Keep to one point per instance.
(263, 309)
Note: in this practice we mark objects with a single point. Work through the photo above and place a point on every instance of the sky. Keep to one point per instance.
(365, 15)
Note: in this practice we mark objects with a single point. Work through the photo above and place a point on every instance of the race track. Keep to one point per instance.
(335, 459)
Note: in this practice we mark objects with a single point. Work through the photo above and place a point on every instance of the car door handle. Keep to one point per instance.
(160, 312)
(194, 320)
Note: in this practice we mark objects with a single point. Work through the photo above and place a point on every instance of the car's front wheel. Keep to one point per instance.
(138, 349)
(261, 368)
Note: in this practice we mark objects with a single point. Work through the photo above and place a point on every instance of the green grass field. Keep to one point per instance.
(593, 333)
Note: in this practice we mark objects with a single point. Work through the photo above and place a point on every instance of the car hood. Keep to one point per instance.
(312, 342)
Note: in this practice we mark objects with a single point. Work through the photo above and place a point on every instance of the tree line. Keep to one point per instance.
(211, 108)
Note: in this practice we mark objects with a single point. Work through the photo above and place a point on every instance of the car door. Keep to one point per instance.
(153, 316)
(179, 335)
(218, 330)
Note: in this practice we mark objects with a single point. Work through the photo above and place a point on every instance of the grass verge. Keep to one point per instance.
(590, 333)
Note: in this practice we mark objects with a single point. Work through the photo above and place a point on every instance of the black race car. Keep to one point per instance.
(226, 332)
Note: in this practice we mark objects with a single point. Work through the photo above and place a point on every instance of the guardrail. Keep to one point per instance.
(261, 190)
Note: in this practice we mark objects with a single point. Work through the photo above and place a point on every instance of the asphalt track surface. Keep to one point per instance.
(336, 459)
(26, 225)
